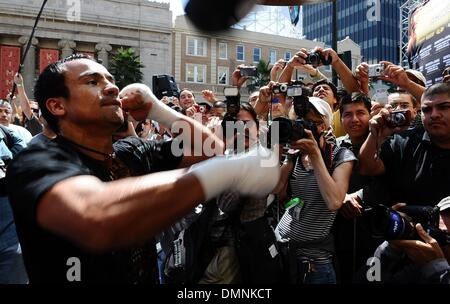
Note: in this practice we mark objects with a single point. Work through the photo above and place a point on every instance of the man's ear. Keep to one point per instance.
(56, 106)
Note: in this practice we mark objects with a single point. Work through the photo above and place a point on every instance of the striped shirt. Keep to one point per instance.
(315, 219)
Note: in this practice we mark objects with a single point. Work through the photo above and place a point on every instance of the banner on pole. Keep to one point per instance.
(9, 65)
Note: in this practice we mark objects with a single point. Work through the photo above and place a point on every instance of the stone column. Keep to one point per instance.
(178, 54)
(67, 47)
(28, 71)
(102, 50)
(213, 61)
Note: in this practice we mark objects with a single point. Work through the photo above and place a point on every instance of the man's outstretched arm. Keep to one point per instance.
(101, 216)
(105, 215)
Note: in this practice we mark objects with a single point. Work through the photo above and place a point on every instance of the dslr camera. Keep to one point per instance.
(388, 224)
(292, 130)
(399, 119)
(232, 99)
(317, 58)
(376, 70)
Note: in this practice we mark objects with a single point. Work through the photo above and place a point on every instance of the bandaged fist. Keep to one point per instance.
(139, 100)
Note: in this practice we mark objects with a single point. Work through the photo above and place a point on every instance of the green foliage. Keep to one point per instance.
(126, 67)
(263, 77)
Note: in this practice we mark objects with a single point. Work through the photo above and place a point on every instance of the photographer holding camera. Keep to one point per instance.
(318, 176)
(409, 80)
(323, 89)
(415, 164)
(418, 252)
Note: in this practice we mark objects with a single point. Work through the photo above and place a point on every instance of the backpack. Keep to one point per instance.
(258, 253)
(192, 250)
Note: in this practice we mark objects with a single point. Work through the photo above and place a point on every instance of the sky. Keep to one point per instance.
(176, 6)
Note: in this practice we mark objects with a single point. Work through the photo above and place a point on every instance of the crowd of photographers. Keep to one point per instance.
(360, 183)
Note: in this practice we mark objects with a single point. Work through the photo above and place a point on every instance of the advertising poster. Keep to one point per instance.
(429, 39)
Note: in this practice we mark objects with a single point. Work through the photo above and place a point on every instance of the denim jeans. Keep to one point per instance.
(12, 268)
(321, 274)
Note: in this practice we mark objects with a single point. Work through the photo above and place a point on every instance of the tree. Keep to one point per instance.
(263, 77)
(126, 67)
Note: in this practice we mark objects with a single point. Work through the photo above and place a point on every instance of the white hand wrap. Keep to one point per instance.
(255, 173)
(159, 111)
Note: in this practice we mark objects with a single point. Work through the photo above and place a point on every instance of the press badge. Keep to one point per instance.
(296, 204)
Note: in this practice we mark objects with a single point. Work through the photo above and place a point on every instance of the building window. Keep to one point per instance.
(287, 56)
(256, 54)
(272, 56)
(222, 75)
(223, 51)
(240, 52)
(196, 46)
(196, 73)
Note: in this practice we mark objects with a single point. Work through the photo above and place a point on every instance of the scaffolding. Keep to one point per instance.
(405, 12)
(272, 20)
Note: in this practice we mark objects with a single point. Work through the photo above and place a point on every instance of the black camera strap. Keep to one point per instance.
(327, 155)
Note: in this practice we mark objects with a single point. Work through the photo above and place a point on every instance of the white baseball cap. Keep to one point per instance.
(444, 204)
(323, 108)
(418, 75)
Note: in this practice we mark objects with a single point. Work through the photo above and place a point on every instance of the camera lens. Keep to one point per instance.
(398, 119)
(314, 59)
(280, 130)
(389, 224)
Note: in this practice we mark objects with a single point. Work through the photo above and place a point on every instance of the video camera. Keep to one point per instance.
(164, 85)
(388, 224)
(233, 102)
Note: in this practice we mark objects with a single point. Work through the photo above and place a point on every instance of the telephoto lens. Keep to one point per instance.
(389, 224)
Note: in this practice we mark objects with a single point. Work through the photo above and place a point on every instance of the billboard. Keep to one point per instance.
(429, 39)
